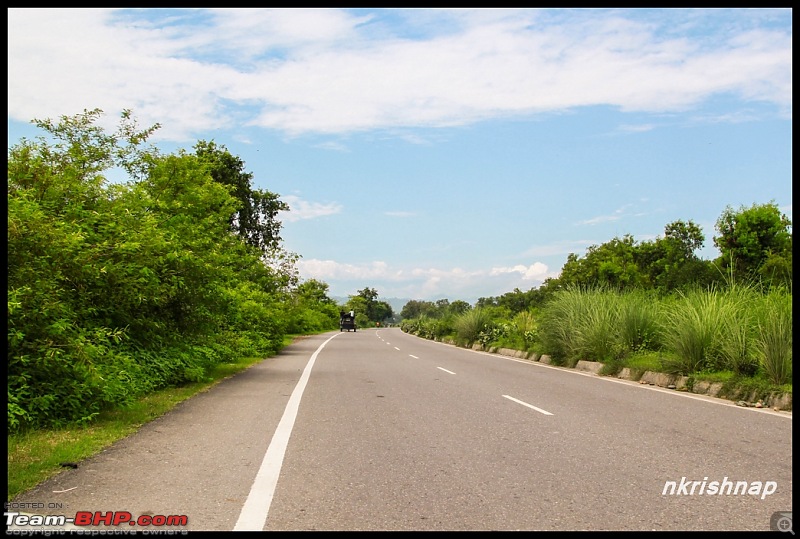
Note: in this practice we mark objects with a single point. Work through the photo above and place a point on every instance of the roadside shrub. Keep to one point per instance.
(581, 323)
(469, 325)
(691, 326)
(559, 321)
(774, 343)
(598, 328)
(525, 328)
(638, 322)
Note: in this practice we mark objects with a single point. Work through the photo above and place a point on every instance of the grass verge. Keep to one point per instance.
(35, 456)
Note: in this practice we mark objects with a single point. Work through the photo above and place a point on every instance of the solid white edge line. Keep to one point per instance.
(256, 508)
(545, 412)
(695, 396)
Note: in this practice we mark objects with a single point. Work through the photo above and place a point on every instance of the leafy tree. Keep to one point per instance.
(683, 238)
(458, 307)
(610, 264)
(670, 263)
(312, 309)
(255, 218)
(382, 312)
(517, 301)
(416, 308)
(314, 291)
(369, 294)
(368, 309)
(115, 290)
(755, 239)
(358, 304)
(375, 311)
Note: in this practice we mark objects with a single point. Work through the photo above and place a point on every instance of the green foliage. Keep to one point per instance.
(692, 326)
(255, 216)
(612, 264)
(416, 309)
(737, 331)
(592, 328)
(669, 263)
(625, 301)
(311, 310)
(526, 328)
(518, 301)
(428, 328)
(116, 290)
(369, 310)
(774, 342)
(440, 309)
(469, 326)
(638, 321)
(755, 242)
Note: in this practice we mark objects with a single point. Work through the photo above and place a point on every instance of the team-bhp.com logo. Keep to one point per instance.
(89, 518)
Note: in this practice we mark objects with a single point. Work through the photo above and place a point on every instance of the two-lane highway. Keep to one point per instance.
(380, 430)
(403, 433)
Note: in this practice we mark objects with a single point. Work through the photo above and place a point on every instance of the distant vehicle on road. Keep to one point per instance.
(347, 321)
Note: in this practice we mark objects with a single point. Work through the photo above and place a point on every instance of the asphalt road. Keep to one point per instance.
(380, 430)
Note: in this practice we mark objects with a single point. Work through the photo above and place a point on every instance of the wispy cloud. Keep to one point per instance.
(303, 209)
(640, 128)
(616, 216)
(335, 146)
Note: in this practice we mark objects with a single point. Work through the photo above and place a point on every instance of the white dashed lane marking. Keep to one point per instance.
(531, 406)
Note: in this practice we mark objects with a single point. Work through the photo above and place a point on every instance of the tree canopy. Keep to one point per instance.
(756, 242)
(255, 215)
(119, 289)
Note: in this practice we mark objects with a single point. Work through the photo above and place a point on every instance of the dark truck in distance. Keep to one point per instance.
(347, 321)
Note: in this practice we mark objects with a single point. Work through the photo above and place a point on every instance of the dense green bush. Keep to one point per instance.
(774, 341)
(119, 289)
(741, 330)
(469, 325)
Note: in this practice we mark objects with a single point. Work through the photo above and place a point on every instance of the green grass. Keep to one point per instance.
(35, 456)
(737, 387)
(645, 361)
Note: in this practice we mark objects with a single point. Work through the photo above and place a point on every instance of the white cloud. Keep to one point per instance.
(536, 271)
(329, 71)
(641, 128)
(330, 269)
(303, 209)
(616, 216)
(424, 283)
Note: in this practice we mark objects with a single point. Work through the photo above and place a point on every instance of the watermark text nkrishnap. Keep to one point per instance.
(726, 487)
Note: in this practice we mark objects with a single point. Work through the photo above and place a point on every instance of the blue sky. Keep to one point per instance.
(432, 153)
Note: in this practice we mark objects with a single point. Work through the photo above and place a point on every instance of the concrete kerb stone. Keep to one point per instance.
(590, 366)
(665, 380)
(510, 352)
(707, 388)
